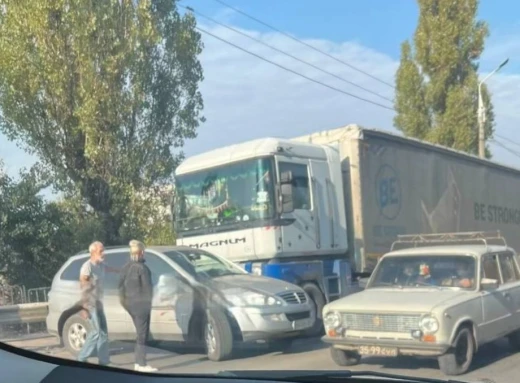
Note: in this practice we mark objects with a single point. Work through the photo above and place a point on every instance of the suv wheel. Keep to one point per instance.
(218, 337)
(74, 333)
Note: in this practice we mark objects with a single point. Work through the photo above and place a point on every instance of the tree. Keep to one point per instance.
(34, 235)
(437, 80)
(103, 92)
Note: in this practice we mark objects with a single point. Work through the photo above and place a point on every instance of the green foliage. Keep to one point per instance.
(437, 80)
(34, 235)
(103, 92)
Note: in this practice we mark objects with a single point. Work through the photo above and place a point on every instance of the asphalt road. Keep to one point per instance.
(497, 361)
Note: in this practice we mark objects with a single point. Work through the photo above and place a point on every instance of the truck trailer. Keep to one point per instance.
(320, 210)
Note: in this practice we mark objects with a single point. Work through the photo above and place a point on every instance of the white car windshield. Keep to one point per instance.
(424, 271)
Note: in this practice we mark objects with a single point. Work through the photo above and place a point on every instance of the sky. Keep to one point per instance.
(247, 98)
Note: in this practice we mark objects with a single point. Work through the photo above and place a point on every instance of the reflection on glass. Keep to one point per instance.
(425, 271)
(200, 263)
(229, 194)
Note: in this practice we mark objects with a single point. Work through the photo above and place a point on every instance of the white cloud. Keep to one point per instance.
(246, 98)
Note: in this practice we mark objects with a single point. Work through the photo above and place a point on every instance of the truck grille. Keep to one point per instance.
(381, 322)
(293, 297)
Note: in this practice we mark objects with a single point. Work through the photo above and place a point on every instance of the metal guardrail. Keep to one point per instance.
(38, 295)
(12, 295)
(23, 313)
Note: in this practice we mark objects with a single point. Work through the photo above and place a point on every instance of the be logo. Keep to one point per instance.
(388, 192)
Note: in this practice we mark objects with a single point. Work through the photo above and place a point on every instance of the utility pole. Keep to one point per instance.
(481, 114)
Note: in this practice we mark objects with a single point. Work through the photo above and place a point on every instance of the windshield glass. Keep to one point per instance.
(299, 141)
(201, 263)
(425, 271)
(230, 194)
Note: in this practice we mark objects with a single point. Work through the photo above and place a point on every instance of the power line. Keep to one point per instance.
(507, 139)
(304, 43)
(514, 152)
(291, 70)
(285, 53)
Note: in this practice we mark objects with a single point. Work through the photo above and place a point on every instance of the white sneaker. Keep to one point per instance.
(146, 368)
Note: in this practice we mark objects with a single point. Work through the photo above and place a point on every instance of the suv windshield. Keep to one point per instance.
(200, 263)
(424, 271)
(225, 195)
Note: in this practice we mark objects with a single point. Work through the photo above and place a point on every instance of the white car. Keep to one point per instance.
(443, 301)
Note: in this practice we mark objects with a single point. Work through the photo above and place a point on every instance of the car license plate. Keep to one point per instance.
(377, 351)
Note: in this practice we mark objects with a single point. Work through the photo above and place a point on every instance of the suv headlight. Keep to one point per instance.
(244, 298)
(332, 320)
(429, 324)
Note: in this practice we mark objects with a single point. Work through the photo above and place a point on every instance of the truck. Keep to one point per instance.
(320, 210)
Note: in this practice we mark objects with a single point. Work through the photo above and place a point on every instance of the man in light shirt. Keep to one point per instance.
(92, 275)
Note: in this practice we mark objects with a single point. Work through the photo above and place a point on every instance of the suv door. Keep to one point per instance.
(173, 301)
(119, 322)
(497, 318)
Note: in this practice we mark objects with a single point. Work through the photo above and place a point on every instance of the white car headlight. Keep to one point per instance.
(429, 324)
(332, 320)
(244, 298)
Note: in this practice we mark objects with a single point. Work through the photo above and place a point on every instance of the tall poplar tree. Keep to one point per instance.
(437, 80)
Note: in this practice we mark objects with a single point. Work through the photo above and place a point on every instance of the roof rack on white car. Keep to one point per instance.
(449, 239)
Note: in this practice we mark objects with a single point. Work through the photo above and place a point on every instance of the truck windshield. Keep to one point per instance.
(425, 271)
(228, 195)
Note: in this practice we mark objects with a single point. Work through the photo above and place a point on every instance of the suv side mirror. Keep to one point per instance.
(363, 282)
(487, 284)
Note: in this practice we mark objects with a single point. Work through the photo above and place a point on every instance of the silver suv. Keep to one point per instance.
(199, 297)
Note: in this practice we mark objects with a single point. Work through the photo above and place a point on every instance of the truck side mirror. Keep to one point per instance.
(286, 177)
(287, 200)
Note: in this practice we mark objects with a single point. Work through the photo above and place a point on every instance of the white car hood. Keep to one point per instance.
(416, 300)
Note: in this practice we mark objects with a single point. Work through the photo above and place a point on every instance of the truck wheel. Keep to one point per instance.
(344, 358)
(74, 333)
(458, 358)
(280, 345)
(318, 301)
(218, 337)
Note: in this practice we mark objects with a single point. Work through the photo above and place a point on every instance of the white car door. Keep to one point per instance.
(511, 280)
(497, 316)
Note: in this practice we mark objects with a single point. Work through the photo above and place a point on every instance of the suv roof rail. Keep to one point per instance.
(445, 239)
(85, 251)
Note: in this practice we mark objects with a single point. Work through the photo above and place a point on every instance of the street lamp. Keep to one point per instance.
(481, 113)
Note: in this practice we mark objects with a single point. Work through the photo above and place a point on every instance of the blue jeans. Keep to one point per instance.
(97, 338)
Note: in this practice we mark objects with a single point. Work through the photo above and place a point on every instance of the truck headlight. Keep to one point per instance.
(332, 320)
(429, 324)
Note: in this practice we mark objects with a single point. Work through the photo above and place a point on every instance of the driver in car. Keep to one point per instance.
(424, 277)
(463, 276)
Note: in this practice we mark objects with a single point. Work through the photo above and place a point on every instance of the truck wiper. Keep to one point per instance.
(333, 376)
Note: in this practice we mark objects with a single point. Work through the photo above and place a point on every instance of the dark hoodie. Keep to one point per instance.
(135, 286)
